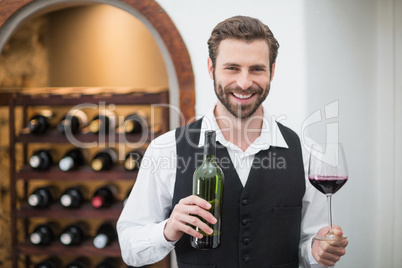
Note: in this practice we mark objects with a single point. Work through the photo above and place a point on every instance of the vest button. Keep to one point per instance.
(244, 202)
(246, 241)
(247, 259)
(244, 222)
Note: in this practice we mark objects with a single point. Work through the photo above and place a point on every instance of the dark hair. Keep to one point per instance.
(242, 28)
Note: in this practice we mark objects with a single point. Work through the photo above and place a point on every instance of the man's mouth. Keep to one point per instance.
(242, 96)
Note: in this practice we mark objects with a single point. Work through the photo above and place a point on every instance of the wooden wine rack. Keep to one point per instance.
(23, 212)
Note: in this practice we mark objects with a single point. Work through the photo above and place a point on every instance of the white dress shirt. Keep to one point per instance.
(141, 223)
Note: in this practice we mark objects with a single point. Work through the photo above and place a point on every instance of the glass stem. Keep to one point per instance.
(329, 199)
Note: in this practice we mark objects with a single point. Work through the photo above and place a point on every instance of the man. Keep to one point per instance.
(269, 212)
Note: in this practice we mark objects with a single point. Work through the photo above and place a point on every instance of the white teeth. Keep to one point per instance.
(241, 96)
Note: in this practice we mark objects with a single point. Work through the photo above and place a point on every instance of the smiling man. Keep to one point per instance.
(270, 212)
(243, 82)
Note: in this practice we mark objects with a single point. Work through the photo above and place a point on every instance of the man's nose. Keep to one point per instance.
(244, 81)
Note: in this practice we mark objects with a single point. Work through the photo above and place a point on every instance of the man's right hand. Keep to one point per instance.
(184, 213)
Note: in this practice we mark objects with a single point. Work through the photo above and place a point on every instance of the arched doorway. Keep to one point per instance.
(181, 79)
(172, 47)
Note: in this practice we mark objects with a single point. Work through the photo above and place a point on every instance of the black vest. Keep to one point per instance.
(261, 221)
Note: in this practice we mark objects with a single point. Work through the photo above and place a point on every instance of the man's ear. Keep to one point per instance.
(210, 68)
(273, 70)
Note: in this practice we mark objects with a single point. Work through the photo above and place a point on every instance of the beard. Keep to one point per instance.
(241, 111)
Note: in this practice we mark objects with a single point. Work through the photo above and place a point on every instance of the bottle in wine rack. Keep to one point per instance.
(135, 123)
(74, 234)
(41, 159)
(73, 159)
(40, 122)
(132, 161)
(73, 197)
(110, 263)
(51, 262)
(104, 196)
(44, 234)
(105, 235)
(43, 197)
(80, 262)
(103, 123)
(208, 184)
(73, 122)
(104, 160)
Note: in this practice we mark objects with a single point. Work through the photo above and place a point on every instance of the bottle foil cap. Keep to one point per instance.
(100, 241)
(65, 200)
(66, 163)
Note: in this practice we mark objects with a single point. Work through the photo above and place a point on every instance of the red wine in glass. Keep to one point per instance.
(328, 172)
(328, 184)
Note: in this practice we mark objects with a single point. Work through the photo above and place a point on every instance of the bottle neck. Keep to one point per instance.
(209, 157)
(209, 146)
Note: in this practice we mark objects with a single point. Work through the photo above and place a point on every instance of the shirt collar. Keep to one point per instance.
(270, 133)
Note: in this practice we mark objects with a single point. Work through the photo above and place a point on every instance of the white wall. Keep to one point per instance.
(341, 52)
(343, 55)
(389, 133)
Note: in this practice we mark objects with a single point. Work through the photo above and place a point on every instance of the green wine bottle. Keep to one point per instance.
(208, 184)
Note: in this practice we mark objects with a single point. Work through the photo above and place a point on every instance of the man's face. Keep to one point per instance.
(241, 76)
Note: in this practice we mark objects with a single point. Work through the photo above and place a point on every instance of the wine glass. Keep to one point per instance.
(328, 172)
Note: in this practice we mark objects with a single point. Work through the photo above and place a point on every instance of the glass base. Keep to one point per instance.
(330, 237)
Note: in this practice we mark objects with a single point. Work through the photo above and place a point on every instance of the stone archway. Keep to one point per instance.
(173, 49)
